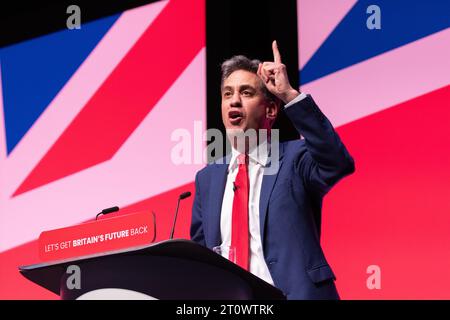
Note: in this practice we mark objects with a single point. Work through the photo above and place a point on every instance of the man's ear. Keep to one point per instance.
(272, 110)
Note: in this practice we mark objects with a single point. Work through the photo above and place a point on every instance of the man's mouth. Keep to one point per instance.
(235, 117)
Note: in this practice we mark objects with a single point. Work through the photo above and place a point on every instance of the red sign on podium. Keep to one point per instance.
(103, 235)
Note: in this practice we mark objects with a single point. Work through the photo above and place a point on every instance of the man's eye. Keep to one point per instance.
(227, 94)
(247, 93)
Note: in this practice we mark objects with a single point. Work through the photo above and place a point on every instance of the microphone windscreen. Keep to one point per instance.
(185, 195)
(109, 210)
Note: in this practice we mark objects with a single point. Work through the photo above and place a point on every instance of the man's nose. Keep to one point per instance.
(236, 100)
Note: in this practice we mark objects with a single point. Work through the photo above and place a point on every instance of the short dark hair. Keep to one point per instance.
(241, 62)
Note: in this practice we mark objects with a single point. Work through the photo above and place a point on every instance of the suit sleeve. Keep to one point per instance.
(196, 231)
(326, 159)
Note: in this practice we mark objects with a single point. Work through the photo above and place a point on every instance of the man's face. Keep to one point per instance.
(244, 105)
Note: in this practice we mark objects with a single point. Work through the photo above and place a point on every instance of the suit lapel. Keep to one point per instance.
(266, 190)
(218, 180)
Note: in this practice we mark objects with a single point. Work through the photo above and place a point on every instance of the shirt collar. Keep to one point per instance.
(260, 155)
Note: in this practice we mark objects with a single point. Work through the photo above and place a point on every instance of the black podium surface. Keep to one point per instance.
(168, 270)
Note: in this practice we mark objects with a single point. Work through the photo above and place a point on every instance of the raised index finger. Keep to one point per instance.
(276, 53)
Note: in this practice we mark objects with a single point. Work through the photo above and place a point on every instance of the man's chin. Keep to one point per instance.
(242, 138)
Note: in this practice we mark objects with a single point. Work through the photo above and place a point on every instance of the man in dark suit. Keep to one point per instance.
(272, 219)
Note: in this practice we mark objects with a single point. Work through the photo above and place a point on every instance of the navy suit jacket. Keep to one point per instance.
(290, 204)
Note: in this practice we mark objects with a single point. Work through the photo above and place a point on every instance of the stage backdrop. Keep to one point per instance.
(387, 91)
(87, 119)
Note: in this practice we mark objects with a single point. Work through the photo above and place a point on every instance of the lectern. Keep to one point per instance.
(169, 270)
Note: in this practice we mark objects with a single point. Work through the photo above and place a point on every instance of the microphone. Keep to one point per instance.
(185, 195)
(181, 197)
(107, 210)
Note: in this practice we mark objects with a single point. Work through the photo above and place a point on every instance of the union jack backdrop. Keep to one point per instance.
(387, 91)
(86, 122)
(87, 117)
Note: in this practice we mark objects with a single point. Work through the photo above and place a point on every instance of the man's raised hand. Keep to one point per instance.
(275, 77)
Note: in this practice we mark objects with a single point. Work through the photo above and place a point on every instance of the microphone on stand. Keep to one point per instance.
(181, 197)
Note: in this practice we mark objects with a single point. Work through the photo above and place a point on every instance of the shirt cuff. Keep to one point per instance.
(300, 97)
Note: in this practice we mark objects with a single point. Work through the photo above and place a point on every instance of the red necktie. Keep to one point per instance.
(239, 227)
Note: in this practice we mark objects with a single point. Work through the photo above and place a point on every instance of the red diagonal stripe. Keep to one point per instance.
(127, 96)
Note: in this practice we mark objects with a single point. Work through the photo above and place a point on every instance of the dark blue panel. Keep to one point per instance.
(402, 21)
(33, 72)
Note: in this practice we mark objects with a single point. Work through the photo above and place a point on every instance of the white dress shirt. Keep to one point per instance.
(258, 159)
